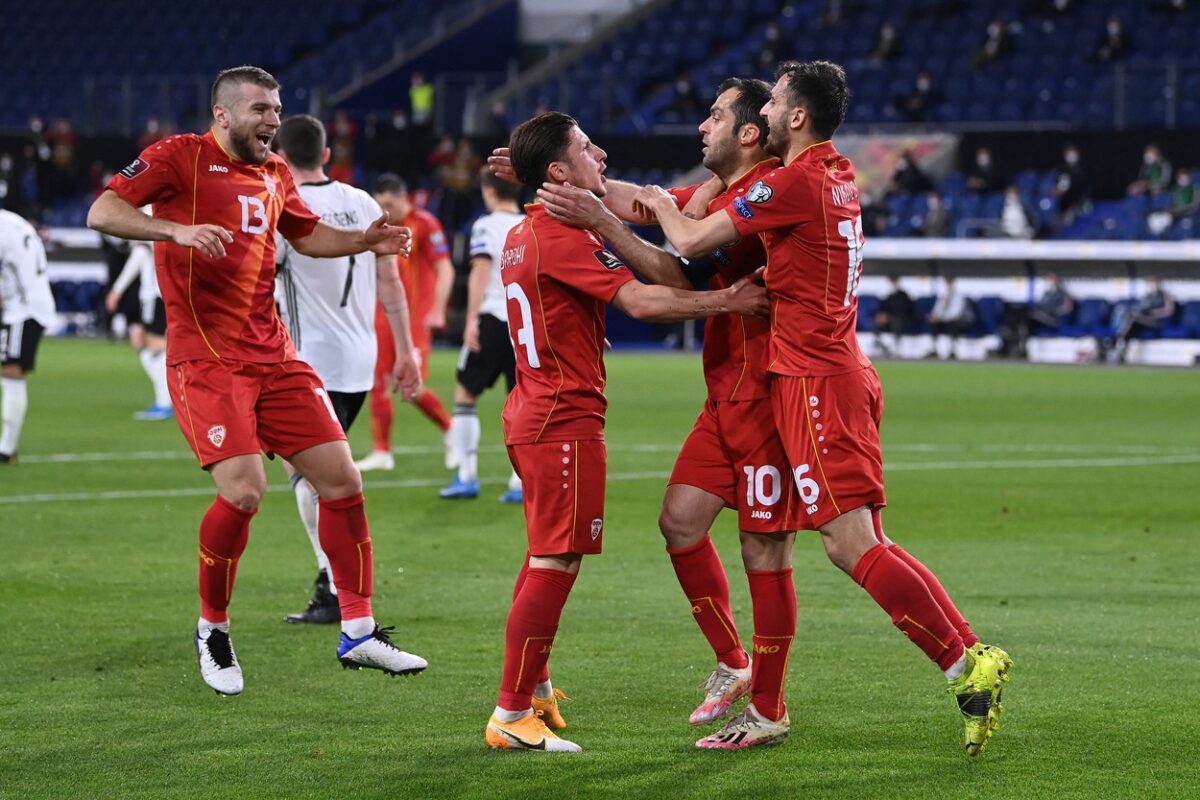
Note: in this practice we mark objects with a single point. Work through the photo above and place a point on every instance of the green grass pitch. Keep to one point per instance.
(1058, 506)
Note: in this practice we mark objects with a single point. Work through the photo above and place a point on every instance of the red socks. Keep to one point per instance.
(969, 639)
(224, 532)
(342, 528)
(382, 414)
(904, 596)
(544, 675)
(774, 596)
(707, 588)
(529, 636)
(432, 407)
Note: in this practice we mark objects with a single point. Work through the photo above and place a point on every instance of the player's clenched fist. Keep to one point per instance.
(208, 239)
(385, 240)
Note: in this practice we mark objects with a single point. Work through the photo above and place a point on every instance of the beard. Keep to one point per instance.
(245, 146)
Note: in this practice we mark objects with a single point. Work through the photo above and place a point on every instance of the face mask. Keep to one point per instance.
(1072, 157)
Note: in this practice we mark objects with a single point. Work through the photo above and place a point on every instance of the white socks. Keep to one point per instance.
(514, 482)
(544, 691)
(464, 434)
(504, 715)
(306, 504)
(203, 626)
(957, 668)
(12, 409)
(155, 365)
(358, 627)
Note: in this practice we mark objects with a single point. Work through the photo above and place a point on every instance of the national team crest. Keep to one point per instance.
(597, 526)
(270, 182)
(216, 435)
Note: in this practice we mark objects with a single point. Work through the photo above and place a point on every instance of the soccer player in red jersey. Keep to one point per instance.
(733, 457)
(826, 396)
(428, 276)
(233, 375)
(557, 280)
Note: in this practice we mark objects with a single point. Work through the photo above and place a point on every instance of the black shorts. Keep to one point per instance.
(19, 343)
(477, 371)
(154, 317)
(346, 406)
(129, 306)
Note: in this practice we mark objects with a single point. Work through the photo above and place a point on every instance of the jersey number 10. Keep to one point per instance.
(851, 230)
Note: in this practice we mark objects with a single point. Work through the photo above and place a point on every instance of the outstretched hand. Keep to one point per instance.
(500, 163)
(385, 240)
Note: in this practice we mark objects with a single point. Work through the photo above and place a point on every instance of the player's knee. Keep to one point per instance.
(343, 483)
(676, 529)
(248, 494)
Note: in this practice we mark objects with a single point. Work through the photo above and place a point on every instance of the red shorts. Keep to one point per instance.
(830, 429)
(564, 495)
(385, 357)
(735, 453)
(232, 408)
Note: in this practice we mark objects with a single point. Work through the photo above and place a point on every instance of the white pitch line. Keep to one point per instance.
(419, 483)
(906, 447)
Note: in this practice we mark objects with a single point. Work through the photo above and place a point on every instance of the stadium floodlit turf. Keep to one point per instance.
(1058, 505)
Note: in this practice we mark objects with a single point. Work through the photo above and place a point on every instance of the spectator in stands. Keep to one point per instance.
(908, 177)
(997, 43)
(1016, 219)
(983, 177)
(935, 222)
(1022, 321)
(343, 144)
(1154, 176)
(1114, 42)
(687, 101)
(1049, 11)
(1169, 7)
(421, 99)
(916, 105)
(888, 45)
(459, 178)
(1071, 186)
(952, 316)
(1149, 313)
(897, 315)
(1185, 202)
(8, 182)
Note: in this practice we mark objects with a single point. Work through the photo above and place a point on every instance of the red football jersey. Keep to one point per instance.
(557, 280)
(417, 272)
(808, 216)
(735, 347)
(223, 308)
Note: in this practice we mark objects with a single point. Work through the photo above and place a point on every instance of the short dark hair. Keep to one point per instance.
(505, 190)
(390, 183)
(302, 140)
(819, 86)
(753, 94)
(538, 142)
(242, 74)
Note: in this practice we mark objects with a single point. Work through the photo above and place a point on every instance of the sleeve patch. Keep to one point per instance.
(759, 193)
(135, 168)
(743, 208)
(607, 259)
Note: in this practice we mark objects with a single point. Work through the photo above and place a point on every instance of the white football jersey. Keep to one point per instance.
(328, 304)
(487, 239)
(24, 285)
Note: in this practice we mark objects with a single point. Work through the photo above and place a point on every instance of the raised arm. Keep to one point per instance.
(112, 215)
(691, 237)
(582, 209)
(326, 241)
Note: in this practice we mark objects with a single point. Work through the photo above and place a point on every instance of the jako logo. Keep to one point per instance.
(760, 514)
(766, 649)
(546, 648)
(217, 168)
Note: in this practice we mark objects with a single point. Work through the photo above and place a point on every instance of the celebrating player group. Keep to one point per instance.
(788, 435)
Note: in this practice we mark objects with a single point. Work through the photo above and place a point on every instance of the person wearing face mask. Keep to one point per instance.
(916, 105)
(1154, 175)
(995, 45)
(1185, 202)
(1114, 42)
(983, 177)
(1071, 185)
